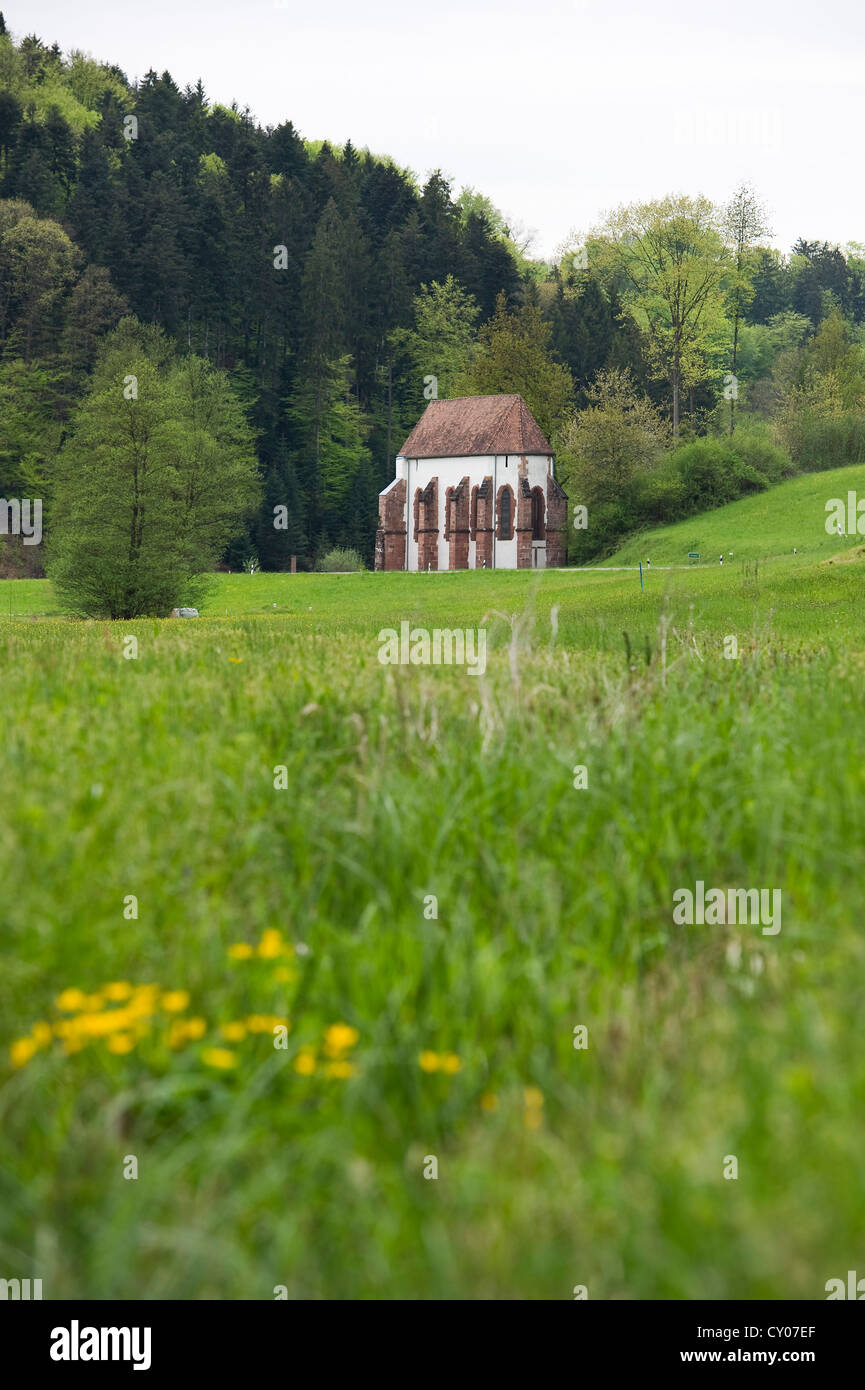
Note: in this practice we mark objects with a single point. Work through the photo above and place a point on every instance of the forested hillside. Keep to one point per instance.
(182, 224)
(330, 285)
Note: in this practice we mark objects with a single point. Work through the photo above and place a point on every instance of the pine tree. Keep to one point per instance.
(331, 456)
(281, 532)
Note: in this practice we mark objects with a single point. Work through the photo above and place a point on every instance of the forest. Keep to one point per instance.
(336, 292)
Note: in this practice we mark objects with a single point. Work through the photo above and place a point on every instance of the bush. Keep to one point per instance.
(746, 478)
(714, 471)
(340, 558)
(706, 470)
(618, 437)
(608, 522)
(753, 444)
(697, 476)
(817, 443)
(660, 497)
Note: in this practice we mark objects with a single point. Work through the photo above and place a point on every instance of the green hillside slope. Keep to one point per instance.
(790, 516)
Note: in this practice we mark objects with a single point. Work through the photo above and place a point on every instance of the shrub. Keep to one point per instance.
(660, 497)
(340, 558)
(706, 470)
(817, 443)
(617, 437)
(608, 522)
(753, 444)
(714, 471)
(697, 476)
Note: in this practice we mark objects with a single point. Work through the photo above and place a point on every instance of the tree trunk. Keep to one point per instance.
(734, 384)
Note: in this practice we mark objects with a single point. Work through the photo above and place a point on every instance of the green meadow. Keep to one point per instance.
(282, 925)
(775, 522)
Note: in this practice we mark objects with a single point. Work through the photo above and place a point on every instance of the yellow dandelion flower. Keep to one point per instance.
(97, 1025)
(141, 1006)
(117, 991)
(117, 1019)
(22, 1050)
(341, 1069)
(93, 1002)
(175, 1001)
(70, 1000)
(144, 998)
(270, 944)
(41, 1034)
(236, 660)
(120, 1020)
(533, 1119)
(233, 1032)
(429, 1061)
(339, 1038)
(258, 1023)
(450, 1063)
(219, 1057)
(284, 975)
(120, 1043)
(183, 1029)
(489, 1102)
(241, 950)
(304, 1063)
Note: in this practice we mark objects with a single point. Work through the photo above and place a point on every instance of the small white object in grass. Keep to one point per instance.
(301, 948)
(185, 612)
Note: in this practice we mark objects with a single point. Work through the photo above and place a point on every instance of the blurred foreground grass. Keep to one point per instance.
(411, 1035)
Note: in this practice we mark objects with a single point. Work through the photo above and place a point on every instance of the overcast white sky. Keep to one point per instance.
(556, 109)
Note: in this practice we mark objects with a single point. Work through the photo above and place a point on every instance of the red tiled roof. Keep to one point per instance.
(476, 425)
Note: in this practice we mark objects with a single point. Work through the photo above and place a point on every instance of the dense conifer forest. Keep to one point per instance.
(332, 286)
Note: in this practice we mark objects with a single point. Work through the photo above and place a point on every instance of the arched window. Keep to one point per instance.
(506, 514)
(539, 531)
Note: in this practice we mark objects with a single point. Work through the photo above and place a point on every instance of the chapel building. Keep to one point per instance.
(474, 489)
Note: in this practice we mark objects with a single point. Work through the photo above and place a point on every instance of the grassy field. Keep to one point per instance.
(774, 522)
(302, 914)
